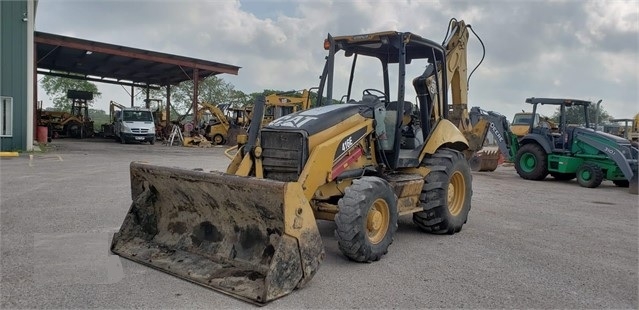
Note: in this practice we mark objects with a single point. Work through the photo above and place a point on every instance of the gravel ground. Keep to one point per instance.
(526, 244)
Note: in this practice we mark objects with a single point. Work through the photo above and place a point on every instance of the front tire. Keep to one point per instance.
(589, 175)
(446, 194)
(531, 162)
(366, 220)
(218, 139)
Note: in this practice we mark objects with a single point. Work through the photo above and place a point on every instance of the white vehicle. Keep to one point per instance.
(134, 124)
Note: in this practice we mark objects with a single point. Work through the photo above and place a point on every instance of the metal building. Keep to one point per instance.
(22, 48)
(17, 74)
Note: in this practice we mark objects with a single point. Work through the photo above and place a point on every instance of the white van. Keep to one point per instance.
(134, 124)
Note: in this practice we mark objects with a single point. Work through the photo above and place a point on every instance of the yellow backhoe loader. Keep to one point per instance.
(251, 232)
(278, 105)
(217, 128)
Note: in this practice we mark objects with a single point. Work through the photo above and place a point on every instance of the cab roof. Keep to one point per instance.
(385, 46)
(558, 101)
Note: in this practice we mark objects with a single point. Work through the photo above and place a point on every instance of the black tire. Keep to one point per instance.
(218, 139)
(563, 176)
(474, 162)
(589, 175)
(531, 162)
(621, 183)
(449, 171)
(122, 140)
(74, 130)
(367, 219)
(152, 141)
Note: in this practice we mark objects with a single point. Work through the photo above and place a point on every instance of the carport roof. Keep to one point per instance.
(103, 62)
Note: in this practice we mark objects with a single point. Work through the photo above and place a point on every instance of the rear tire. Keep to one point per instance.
(446, 194)
(366, 220)
(122, 140)
(531, 162)
(589, 175)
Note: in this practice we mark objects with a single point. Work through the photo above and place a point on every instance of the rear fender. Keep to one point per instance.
(444, 133)
(533, 138)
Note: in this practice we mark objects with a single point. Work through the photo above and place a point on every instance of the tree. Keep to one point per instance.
(575, 114)
(211, 89)
(99, 117)
(56, 88)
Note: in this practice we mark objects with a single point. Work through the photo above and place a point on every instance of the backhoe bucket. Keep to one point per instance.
(254, 239)
(485, 161)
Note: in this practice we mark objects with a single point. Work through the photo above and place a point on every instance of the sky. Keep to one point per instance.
(556, 48)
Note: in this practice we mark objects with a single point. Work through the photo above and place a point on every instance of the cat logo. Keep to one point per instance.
(292, 121)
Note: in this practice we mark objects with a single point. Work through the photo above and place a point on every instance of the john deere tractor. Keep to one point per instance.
(574, 151)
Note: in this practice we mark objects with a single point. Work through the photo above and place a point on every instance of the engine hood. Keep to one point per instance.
(616, 139)
(317, 119)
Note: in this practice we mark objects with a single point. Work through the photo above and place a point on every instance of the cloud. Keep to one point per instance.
(580, 49)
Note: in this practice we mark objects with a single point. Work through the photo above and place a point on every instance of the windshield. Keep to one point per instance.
(137, 116)
(368, 78)
(524, 119)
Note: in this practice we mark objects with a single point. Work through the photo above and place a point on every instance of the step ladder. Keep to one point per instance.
(175, 132)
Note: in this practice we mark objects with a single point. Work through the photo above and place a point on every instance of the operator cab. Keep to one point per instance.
(401, 126)
(561, 139)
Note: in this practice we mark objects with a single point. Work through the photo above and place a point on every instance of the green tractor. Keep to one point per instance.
(569, 151)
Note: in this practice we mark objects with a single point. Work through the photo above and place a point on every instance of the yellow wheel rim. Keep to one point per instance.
(456, 193)
(377, 221)
(218, 139)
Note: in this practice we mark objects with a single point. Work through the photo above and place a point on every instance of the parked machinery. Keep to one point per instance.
(216, 125)
(625, 127)
(73, 124)
(520, 125)
(278, 105)
(251, 232)
(569, 152)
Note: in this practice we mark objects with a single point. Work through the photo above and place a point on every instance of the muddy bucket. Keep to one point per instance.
(254, 239)
(485, 161)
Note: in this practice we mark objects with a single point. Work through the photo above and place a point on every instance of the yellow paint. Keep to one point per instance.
(9, 154)
(443, 133)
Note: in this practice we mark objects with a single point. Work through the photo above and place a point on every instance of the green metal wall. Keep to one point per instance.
(13, 69)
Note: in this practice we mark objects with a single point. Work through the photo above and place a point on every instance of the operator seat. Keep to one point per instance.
(411, 136)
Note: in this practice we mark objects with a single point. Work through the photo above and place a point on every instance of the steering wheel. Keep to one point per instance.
(378, 93)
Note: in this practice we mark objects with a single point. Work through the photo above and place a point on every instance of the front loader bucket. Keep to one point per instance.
(485, 161)
(254, 239)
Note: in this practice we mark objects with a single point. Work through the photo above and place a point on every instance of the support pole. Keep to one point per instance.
(196, 78)
(148, 101)
(168, 106)
(132, 95)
